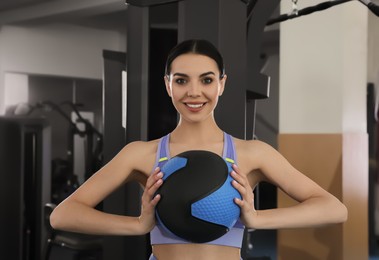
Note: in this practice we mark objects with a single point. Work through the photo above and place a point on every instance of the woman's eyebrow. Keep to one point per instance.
(207, 73)
(180, 74)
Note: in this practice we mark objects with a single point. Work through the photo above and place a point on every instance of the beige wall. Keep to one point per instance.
(338, 163)
(324, 68)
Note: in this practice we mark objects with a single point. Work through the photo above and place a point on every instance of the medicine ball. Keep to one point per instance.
(197, 197)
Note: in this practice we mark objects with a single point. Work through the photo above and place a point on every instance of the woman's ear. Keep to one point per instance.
(222, 84)
(167, 83)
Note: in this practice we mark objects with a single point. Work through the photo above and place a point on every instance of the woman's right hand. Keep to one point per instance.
(149, 200)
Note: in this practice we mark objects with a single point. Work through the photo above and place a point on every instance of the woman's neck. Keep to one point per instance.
(202, 132)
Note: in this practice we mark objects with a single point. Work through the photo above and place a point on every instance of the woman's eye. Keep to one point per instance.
(180, 81)
(207, 80)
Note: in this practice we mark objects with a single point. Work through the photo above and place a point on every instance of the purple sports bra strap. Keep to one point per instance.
(162, 154)
(229, 153)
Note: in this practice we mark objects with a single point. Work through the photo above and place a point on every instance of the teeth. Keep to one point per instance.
(195, 105)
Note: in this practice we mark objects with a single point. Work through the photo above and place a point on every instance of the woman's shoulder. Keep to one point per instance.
(142, 144)
(254, 150)
(251, 145)
(139, 155)
(134, 150)
(253, 156)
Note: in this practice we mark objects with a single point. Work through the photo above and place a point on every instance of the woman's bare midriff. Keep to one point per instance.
(195, 252)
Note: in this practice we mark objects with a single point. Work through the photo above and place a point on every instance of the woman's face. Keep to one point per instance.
(194, 86)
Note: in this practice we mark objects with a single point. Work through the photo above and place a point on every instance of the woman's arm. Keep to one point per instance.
(316, 206)
(77, 212)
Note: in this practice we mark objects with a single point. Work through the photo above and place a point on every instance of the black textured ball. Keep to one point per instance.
(197, 198)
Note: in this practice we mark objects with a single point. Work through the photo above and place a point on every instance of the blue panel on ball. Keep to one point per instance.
(173, 165)
(219, 207)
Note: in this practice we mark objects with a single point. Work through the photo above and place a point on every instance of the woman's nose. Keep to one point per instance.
(194, 90)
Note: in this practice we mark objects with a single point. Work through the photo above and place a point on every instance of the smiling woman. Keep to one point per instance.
(194, 91)
(195, 79)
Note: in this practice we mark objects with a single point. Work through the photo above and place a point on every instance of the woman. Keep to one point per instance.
(195, 79)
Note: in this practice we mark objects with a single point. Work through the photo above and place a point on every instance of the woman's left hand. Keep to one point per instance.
(246, 203)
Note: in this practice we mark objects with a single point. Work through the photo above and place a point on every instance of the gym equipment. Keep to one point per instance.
(63, 245)
(197, 197)
(55, 178)
(24, 186)
(64, 180)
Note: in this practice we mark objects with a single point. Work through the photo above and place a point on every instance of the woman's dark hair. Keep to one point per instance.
(201, 47)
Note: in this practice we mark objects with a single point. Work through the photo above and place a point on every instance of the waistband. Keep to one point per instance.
(232, 238)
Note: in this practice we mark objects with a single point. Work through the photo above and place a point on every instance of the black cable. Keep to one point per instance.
(56, 108)
(81, 119)
(306, 11)
(371, 6)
